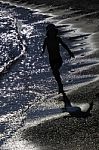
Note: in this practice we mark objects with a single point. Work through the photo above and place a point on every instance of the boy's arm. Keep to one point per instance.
(44, 46)
(66, 47)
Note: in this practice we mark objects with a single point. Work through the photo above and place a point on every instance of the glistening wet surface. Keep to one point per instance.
(28, 87)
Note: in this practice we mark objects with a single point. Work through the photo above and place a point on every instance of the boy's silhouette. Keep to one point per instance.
(52, 42)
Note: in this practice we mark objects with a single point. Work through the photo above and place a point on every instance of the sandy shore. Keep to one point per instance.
(71, 133)
(67, 133)
(77, 4)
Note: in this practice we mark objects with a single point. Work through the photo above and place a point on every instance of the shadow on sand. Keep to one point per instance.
(58, 132)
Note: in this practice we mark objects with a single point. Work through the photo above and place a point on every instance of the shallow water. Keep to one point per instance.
(27, 86)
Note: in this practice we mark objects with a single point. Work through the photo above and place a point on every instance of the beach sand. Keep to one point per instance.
(71, 133)
(77, 4)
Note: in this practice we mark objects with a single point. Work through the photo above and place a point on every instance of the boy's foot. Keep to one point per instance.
(66, 100)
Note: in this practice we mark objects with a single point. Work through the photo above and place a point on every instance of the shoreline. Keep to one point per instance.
(70, 133)
(65, 4)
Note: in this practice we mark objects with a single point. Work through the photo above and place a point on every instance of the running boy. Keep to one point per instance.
(52, 42)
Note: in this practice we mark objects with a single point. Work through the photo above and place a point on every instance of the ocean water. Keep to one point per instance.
(28, 88)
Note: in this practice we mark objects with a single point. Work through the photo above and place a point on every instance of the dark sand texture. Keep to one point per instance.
(71, 133)
(77, 4)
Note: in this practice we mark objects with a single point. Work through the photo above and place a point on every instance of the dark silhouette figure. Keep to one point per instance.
(52, 42)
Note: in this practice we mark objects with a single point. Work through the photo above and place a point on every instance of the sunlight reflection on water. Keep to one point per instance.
(29, 82)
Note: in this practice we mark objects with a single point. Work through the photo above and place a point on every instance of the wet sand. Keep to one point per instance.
(71, 133)
(86, 5)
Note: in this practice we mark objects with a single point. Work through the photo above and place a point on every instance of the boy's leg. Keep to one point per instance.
(55, 66)
(66, 100)
(60, 85)
(56, 74)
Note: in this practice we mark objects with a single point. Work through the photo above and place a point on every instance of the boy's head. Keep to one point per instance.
(51, 30)
(50, 26)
